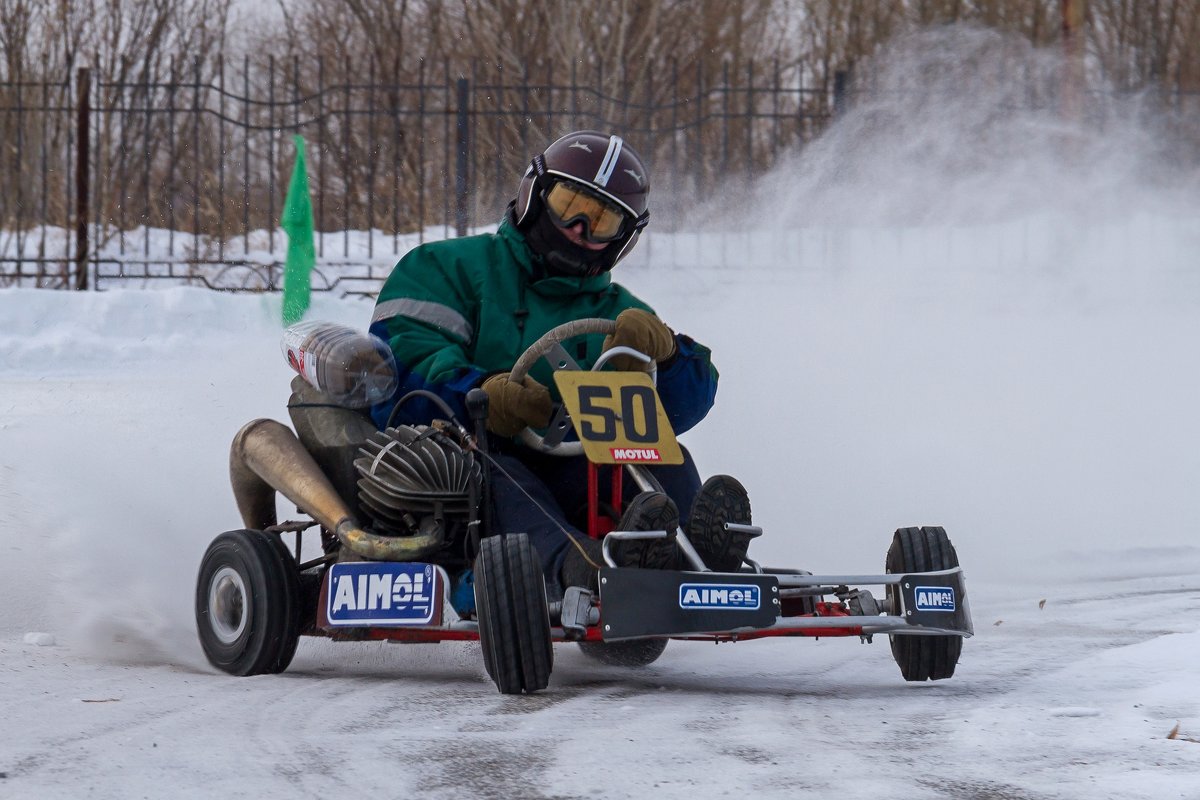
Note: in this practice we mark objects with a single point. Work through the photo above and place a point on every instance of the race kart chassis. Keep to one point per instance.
(638, 603)
(255, 597)
(577, 618)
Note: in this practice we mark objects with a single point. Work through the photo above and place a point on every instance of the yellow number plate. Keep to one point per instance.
(618, 417)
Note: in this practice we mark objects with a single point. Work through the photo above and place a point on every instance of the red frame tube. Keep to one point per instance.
(433, 635)
(598, 525)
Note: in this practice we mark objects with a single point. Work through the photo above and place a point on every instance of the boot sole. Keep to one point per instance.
(648, 553)
(721, 499)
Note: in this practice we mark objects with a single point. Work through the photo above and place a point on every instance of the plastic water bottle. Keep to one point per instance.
(353, 367)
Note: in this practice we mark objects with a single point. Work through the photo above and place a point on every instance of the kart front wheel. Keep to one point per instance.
(514, 617)
(633, 653)
(247, 604)
(922, 658)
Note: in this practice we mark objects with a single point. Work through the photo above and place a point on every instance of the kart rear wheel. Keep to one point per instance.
(247, 611)
(297, 607)
(633, 653)
(922, 658)
(514, 617)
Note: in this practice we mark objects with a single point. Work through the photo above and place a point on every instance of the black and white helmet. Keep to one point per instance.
(598, 166)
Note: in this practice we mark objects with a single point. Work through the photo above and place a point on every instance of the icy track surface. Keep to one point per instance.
(1055, 440)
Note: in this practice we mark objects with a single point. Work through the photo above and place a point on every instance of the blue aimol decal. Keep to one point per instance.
(934, 598)
(381, 593)
(719, 597)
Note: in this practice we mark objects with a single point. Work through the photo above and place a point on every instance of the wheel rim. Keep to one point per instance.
(227, 605)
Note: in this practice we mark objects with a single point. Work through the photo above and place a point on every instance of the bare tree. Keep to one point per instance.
(706, 88)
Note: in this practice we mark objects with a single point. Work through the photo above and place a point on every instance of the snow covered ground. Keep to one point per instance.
(1023, 375)
(1057, 443)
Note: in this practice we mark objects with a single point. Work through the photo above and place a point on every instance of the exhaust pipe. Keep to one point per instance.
(266, 457)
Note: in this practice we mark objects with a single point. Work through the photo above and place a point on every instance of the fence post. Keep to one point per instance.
(83, 146)
(460, 176)
(1071, 98)
(841, 82)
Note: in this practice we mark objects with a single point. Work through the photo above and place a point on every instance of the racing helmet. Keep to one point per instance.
(590, 176)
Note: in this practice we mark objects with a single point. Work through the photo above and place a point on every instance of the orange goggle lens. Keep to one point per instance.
(568, 204)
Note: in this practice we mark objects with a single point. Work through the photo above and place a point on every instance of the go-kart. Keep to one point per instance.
(428, 564)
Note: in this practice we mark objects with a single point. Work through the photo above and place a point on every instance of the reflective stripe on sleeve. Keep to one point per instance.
(435, 314)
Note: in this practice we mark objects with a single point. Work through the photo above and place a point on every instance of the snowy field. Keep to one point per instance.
(1056, 442)
(962, 331)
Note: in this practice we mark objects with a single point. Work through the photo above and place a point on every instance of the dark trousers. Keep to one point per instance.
(546, 497)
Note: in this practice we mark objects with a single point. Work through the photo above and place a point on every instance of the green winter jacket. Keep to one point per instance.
(458, 310)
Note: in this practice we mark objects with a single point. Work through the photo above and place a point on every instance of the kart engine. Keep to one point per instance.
(416, 480)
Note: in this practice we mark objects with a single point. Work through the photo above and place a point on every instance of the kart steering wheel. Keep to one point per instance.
(542, 347)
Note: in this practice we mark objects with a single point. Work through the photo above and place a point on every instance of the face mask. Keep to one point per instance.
(561, 256)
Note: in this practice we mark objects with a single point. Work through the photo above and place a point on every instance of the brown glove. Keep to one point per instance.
(512, 407)
(645, 333)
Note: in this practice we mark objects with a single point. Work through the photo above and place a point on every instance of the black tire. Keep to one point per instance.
(514, 617)
(296, 622)
(922, 658)
(247, 611)
(310, 598)
(634, 653)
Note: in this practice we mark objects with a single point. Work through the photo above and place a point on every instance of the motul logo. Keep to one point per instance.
(635, 454)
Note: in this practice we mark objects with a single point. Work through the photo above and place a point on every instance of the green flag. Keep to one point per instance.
(297, 221)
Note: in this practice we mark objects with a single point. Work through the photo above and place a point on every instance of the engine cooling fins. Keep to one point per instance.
(408, 472)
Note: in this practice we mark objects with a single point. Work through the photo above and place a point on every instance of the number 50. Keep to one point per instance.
(631, 397)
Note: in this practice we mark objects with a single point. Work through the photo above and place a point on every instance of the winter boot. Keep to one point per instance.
(721, 499)
(649, 511)
(576, 571)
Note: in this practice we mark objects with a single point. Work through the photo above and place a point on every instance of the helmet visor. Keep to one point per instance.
(569, 203)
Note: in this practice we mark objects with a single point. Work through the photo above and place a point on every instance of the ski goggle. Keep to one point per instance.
(569, 203)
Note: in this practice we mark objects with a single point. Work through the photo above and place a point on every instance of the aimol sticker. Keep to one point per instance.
(935, 598)
(381, 593)
(719, 597)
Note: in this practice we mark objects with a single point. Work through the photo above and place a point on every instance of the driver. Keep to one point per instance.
(459, 313)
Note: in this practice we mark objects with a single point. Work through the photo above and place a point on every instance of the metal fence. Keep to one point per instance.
(180, 176)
